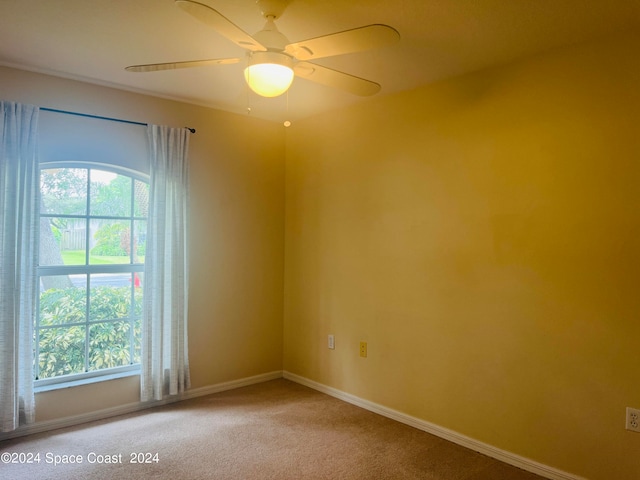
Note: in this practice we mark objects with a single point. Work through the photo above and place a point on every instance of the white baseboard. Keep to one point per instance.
(70, 421)
(455, 437)
(221, 387)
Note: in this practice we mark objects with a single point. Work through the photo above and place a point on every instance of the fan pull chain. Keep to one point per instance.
(287, 123)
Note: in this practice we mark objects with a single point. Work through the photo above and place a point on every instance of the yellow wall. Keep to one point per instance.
(237, 222)
(482, 235)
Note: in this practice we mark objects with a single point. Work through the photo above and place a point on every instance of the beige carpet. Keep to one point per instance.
(274, 430)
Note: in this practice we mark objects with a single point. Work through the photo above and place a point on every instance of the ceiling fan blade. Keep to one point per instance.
(349, 41)
(154, 67)
(334, 78)
(221, 24)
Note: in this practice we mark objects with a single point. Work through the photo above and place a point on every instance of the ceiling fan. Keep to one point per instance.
(272, 61)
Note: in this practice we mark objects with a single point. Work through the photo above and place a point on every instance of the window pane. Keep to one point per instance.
(89, 320)
(140, 199)
(63, 299)
(139, 240)
(62, 241)
(110, 296)
(64, 191)
(110, 194)
(111, 242)
(109, 345)
(61, 351)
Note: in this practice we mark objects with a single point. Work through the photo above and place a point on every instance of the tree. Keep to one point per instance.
(50, 254)
(109, 239)
(63, 192)
(111, 198)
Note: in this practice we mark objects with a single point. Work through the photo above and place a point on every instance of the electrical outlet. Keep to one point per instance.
(633, 419)
(363, 349)
(331, 342)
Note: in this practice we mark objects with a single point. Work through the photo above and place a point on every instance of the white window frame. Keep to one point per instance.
(68, 380)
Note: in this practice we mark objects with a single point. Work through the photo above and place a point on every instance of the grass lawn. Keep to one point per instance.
(77, 257)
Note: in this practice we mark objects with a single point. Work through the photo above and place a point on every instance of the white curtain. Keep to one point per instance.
(165, 364)
(19, 193)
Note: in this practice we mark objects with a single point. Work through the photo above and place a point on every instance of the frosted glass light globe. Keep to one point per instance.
(269, 73)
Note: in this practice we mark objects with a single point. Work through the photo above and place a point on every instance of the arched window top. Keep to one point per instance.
(83, 188)
(107, 167)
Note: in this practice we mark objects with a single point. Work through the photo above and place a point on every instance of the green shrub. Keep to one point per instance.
(63, 344)
(109, 240)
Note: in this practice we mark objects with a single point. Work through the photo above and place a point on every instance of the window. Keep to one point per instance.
(93, 223)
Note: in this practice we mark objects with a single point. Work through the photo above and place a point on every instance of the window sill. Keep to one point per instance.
(74, 381)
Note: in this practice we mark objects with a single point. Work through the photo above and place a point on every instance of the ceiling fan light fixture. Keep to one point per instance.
(269, 74)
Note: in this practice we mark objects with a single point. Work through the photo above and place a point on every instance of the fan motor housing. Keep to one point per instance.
(278, 58)
(271, 37)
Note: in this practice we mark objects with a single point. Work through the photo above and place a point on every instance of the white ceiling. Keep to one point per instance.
(93, 40)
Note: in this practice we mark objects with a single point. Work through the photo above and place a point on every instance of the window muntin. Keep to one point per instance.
(90, 272)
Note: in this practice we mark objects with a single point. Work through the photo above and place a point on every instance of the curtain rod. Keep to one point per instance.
(99, 117)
